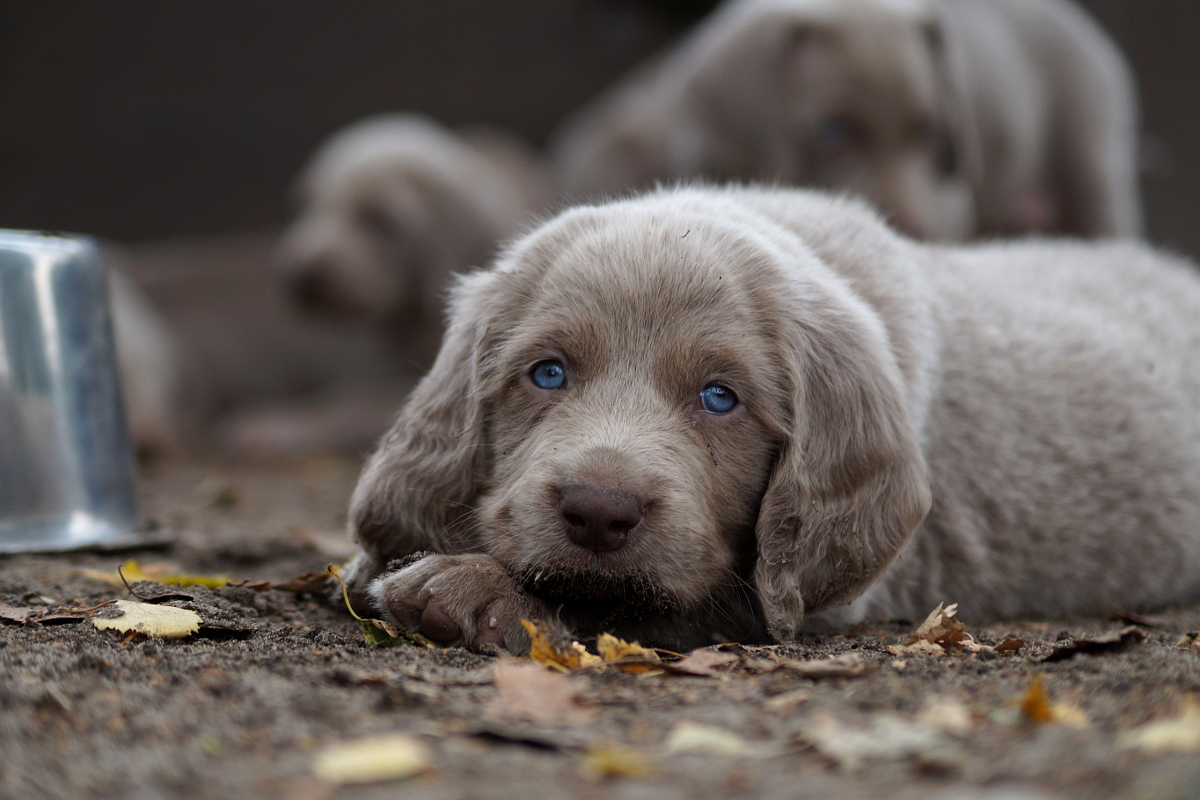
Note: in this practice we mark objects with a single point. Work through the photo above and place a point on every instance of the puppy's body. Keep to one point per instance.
(1010, 427)
(956, 118)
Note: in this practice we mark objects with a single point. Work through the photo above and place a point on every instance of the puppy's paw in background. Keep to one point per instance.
(466, 600)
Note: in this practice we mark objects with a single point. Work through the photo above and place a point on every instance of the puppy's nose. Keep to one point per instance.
(599, 518)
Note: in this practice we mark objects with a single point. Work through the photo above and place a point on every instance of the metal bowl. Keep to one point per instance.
(66, 464)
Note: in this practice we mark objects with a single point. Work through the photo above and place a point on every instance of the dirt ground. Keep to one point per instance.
(245, 707)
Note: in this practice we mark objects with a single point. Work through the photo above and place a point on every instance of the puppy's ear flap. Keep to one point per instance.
(850, 483)
(419, 485)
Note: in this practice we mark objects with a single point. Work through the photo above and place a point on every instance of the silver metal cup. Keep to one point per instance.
(66, 465)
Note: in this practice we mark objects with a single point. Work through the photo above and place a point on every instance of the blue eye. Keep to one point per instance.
(717, 399)
(549, 374)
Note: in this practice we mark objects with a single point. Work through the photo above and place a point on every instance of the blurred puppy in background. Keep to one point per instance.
(957, 118)
(395, 204)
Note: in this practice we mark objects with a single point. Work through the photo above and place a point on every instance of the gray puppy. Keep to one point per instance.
(729, 413)
(956, 118)
(392, 207)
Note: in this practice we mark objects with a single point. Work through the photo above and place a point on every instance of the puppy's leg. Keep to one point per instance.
(467, 600)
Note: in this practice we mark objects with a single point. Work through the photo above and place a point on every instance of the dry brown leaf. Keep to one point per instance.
(1111, 642)
(787, 702)
(15, 614)
(164, 622)
(845, 665)
(566, 655)
(527, 693)
(702, 663)
(1189, 641)
(942, 633)
(309, 582)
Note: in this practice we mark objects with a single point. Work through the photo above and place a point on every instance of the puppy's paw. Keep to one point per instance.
(467, 600)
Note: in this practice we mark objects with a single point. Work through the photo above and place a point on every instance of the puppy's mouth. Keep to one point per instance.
(598, 592)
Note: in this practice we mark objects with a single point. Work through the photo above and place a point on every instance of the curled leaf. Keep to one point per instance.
(942, 633)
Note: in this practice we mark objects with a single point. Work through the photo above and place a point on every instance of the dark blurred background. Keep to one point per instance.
(146, 119)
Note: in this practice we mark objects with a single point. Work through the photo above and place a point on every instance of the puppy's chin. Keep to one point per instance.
(598, 592)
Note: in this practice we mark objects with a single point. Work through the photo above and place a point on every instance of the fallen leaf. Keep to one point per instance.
(372, 760)
(1189, 641)
(568, 655)
(1035, 703)
(692, 737)
(1179, 735)
(1112, 642)
(886, 737)
(845, 665)
(528, 693)
(165, 622)
(607, 761)
(702, 663)
(1010, 647)
(376, 632)
(942, 633)
(917, 648)
(308, 583)
(163, 573)
(945, 714)
(1130, 618)
(1036, 707)
(787, 702)
(14, 614)
(626, 656)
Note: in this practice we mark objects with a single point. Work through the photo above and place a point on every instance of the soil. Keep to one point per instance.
(243, 708)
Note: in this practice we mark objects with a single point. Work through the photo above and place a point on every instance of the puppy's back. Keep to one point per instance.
(1064, 439)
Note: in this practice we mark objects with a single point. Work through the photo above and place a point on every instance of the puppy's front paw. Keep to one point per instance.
(467, 600)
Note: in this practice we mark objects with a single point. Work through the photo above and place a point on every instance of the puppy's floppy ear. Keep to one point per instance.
(419, 485)
(850, 483)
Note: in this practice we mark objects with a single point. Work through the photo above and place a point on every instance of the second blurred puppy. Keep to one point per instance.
(392, 206)
(957, 118)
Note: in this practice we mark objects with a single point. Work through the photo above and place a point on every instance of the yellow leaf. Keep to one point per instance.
(567, 655)
(1036, 707)
(1035, 703)
(613, 650)
(164, 622)
(607, 761)
(372, 760)
(691, 737)
(162, 573)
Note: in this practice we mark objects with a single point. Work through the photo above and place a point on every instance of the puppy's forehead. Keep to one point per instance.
(644, 265)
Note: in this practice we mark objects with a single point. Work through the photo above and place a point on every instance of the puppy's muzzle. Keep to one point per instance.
(600, 518)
